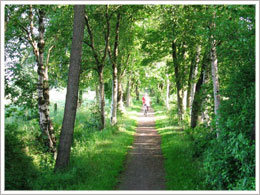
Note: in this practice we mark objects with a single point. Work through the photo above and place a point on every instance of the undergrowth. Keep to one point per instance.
(182, 170)
(97, 157)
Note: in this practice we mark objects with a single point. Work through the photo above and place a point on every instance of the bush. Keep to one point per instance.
(19, 168)
(229, 161)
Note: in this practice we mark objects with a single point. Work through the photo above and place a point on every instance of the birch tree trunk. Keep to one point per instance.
(67, 130)
(38, 45)
(43, 86)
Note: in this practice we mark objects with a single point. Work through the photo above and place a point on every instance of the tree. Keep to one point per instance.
(72, 89)
(99, 60)
(113, 58)
(31, 33)
(198, 94)
(214, 68)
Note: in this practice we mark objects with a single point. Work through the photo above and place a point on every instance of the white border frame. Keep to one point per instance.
(136, 2)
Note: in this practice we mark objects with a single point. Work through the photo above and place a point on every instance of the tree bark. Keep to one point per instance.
(128, 93)
(192, 75)
(193, 85)
(137, 92)
(113, 59)
(100, 62)
(43, 85)
(97, 93)
(121, 73)
(178, 81)
(214, 71)
(120, 104)
(167, 91)
(204, 113)
(67, 130)
(80, 98)
(38, 46)
(198, 99)
(102, 97)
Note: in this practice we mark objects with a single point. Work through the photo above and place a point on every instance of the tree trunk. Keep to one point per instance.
(55, 108)
(198, 99)
(137, 92)
(167, 91)
(43, 90)
(80, 98)
(97, 94)
(128, 93)
(192, 75)
(205, 114)
(193, 86)
(214, 71)
(102, 97)
(189, 84)
(67, 130)
(178, 81)
(114, 97)
(120, 104)
(113, 59)
(100, 62)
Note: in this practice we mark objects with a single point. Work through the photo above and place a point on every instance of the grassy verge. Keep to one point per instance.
(97, 157)
(182, 171)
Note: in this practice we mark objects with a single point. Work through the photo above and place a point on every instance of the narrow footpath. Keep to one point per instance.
(144, 165)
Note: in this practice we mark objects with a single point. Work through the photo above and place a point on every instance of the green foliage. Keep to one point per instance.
(200, 137)
(231, 157)
(96, 156)
(20, 171)
(182, 171)
(144, 57)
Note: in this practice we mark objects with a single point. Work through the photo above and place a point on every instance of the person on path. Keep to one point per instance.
(146, 101)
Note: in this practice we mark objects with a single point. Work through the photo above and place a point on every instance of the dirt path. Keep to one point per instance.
(144, 164)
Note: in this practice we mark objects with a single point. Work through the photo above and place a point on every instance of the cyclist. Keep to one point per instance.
(146, 103)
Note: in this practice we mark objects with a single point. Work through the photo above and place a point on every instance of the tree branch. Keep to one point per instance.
(107, 36)
(87, 43)
(49, 53)
(117, 37)
(91, 40)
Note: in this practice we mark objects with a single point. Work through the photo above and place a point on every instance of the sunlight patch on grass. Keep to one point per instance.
(181, 169)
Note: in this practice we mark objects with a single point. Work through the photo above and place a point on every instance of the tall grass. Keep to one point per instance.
(97, 157)
(182, 171)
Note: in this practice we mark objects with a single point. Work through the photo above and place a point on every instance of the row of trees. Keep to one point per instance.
(196, 42)
(197, 52)
(39, 32)
(210, 55)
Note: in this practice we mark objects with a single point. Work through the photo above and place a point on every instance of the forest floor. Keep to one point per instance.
(144, 164)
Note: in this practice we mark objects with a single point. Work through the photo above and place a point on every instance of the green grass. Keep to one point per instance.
(97, 157)
(182, 171)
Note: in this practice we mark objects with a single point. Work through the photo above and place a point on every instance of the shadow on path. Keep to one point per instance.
(144, 164)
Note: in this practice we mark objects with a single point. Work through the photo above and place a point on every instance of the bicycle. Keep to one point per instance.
(145, 110)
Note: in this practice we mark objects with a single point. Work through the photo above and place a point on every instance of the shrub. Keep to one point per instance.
(19, 169)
